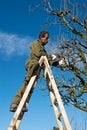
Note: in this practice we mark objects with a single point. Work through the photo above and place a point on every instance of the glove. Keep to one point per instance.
(63, 62)
(54, 57)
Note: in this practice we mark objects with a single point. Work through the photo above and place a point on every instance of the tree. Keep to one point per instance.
(71, 16)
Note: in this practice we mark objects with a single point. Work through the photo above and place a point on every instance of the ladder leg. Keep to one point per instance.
(18, 116)
(53, 100)
(60, 104)
(57, 114)
(18, 121)
(49, 76)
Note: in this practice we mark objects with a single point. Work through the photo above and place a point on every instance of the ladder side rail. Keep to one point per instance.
(56, 111)
(53, 99)
(19, 109)
(18, 121)
(14, 125)
(65, 118)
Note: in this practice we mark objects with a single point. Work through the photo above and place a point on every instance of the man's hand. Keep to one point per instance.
(63, 62)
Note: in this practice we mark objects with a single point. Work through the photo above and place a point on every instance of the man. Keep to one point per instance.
(36, 51)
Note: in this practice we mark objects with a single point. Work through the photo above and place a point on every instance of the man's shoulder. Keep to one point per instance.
(35, 43)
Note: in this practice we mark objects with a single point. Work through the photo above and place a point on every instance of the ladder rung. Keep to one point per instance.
(55, 101)
(59, 115)
(50, 88)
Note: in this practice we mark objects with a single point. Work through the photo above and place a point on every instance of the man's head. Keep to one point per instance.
(44, 36)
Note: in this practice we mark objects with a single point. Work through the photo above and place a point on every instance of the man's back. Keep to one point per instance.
(37, 50)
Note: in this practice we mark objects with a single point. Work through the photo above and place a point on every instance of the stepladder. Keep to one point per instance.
(59, 110)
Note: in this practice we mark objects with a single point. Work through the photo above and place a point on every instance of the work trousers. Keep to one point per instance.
(31, 69)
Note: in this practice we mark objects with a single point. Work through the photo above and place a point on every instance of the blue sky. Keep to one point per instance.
(18, 28)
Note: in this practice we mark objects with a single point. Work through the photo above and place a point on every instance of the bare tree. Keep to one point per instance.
(74, 17)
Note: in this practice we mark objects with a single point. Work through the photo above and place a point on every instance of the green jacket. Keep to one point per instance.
(36, 51)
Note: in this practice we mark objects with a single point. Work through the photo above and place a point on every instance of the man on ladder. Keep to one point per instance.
(36, 51)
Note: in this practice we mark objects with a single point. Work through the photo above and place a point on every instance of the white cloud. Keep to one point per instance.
(13, 45)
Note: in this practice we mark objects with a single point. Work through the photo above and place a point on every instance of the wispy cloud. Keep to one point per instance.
(13, 45)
